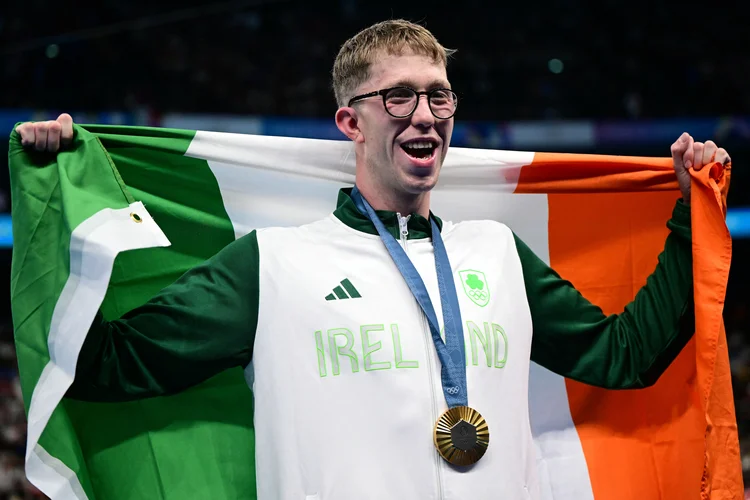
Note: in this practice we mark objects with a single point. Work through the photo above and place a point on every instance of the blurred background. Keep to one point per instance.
(610, 77)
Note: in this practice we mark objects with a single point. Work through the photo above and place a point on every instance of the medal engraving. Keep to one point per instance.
(461, 435)
(464, 435)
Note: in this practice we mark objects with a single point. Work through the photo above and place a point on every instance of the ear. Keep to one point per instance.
(347, 120)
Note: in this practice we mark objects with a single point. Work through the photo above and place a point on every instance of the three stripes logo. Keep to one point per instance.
(344, 291)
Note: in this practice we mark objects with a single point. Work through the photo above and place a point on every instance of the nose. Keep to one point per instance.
(422, 116)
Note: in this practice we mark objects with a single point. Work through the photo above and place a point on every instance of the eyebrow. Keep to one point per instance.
(435, 84)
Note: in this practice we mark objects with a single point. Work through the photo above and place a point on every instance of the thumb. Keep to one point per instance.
(66, 133)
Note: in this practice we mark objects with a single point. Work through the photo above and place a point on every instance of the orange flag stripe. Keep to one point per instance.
(712, 254)
(583, 173)
(677, 439)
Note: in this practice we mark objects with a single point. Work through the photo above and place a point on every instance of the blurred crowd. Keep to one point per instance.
(515, 60)
(737, 321)
(13, 484)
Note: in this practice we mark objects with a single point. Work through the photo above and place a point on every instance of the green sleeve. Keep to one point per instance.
(197, 327)
(574, 338)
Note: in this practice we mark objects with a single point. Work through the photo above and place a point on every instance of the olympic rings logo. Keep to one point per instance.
(452, 390)
(479, 295)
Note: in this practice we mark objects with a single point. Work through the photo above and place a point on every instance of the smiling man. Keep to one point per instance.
(398, 367)
(399, 152)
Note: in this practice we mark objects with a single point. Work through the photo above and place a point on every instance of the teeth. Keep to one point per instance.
(419, 145)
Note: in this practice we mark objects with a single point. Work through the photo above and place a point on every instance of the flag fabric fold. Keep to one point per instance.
(124, 211)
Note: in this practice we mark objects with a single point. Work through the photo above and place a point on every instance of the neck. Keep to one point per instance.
(392, 202)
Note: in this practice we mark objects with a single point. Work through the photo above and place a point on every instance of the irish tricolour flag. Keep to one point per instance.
(125, 211)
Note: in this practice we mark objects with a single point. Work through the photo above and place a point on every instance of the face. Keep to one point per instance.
(392, 149)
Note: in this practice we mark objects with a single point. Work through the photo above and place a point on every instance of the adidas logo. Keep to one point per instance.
(340, 292)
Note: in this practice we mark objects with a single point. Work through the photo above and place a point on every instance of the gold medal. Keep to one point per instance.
(461, 435)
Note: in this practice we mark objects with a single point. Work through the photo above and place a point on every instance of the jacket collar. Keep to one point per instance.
(346, 211)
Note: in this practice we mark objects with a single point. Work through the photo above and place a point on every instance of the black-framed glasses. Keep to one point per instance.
(401, 102)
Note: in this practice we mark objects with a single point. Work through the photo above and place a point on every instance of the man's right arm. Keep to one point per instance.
(197, 327)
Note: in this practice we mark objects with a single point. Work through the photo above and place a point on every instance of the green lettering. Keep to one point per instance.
(321, 353)
(484, 338)
(368, 348)
(399, 358)
(337, 350)
(498, 331)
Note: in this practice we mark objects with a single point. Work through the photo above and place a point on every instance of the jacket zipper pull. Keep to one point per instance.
(403, 228)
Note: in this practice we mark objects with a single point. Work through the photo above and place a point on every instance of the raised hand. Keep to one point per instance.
(47, 136)
(687, 154)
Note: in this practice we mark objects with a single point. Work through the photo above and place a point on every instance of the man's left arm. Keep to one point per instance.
(574, 338)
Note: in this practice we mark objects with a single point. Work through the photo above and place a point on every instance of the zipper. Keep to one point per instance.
(428, 342)
(403, 228)
(427, 337)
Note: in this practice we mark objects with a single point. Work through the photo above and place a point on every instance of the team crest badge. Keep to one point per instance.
(475, 286)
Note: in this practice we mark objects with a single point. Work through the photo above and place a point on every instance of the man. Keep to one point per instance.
(373, 398)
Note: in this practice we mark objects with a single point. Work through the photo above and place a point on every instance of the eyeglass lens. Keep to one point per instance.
(402, 102)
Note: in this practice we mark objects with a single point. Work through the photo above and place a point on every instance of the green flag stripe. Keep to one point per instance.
(107, 167)
(51, 196)
(182, 195)
(74, 312)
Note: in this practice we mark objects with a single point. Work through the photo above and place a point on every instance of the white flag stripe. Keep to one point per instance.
(335, 161)
(563, 472)
(53, 477)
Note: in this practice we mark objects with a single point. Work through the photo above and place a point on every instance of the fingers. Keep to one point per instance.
(66, 124)
(26, 131)
(679, 149)
(48, 135)
(40, 131)
(689, 157)
(53, 137)
(686, 153)
(722, 156)
(709, 152)
(698, 148)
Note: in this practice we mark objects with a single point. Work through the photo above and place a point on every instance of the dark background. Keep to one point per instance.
(637, 63)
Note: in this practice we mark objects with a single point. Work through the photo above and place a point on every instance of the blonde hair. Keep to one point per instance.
(352, 65)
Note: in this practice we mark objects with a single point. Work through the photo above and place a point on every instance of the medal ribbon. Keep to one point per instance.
(451, 353)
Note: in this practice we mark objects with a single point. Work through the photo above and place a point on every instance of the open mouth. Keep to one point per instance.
(420, 150)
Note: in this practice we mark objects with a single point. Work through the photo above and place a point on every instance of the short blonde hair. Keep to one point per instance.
(352, 65)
